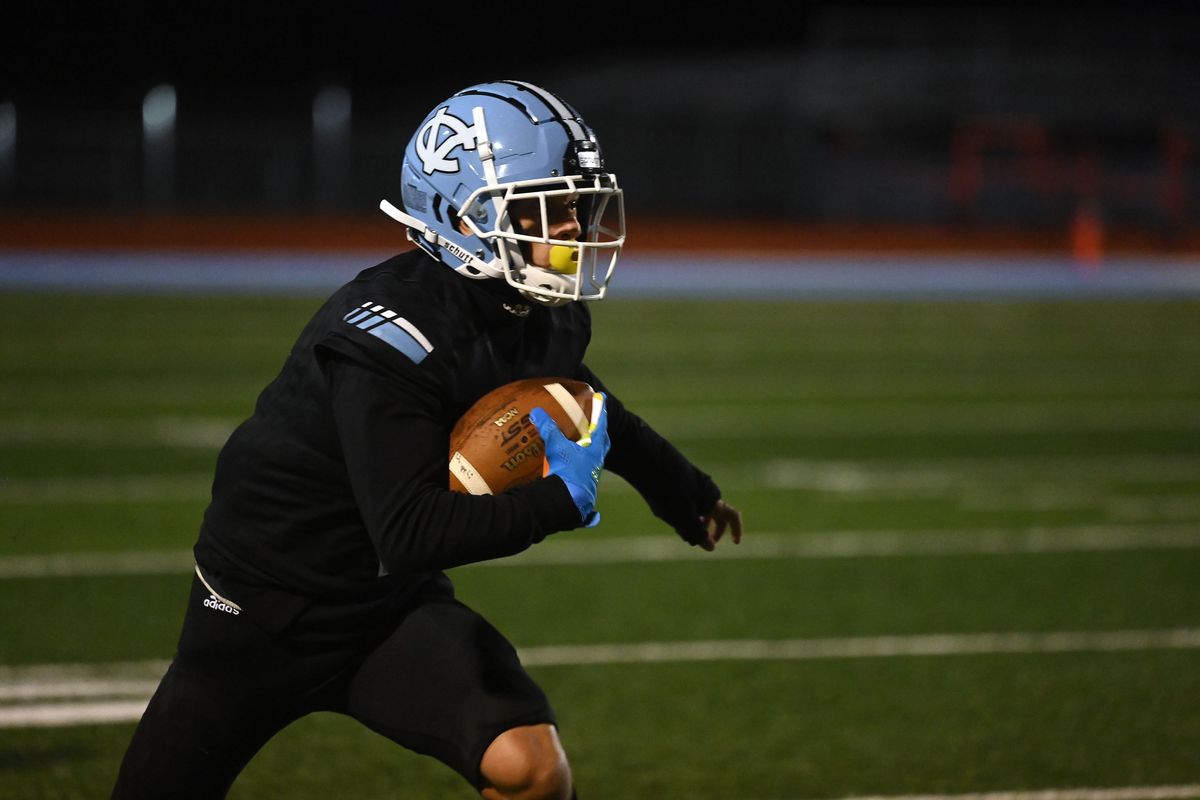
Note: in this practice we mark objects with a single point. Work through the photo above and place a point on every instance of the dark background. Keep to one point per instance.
(909, 114)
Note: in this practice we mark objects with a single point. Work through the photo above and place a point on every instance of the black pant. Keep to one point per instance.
(443, 682)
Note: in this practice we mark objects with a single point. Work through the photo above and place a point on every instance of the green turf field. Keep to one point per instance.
(972, 565)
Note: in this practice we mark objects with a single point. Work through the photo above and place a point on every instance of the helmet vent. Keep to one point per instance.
(414, 198)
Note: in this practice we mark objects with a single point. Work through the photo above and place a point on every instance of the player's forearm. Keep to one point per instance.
(675, 489)
(394, 447)
(434, 528)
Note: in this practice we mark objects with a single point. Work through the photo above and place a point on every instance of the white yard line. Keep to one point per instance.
(1178, 792)
(59, 715)
(854, 544)
(71, 565)
(45, 689)
(862, 647)
(199, 432)
(66, 674)
(991, 480)
(707, 421)
(106, 489)
(25, 684)
(118, 691)
(995, 475)
(1014, 417)
(580, 550)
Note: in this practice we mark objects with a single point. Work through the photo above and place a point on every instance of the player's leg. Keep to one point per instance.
(211, 713)
(448, 684)
(192, 741)
(526, 761)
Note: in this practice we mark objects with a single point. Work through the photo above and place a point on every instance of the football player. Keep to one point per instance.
(320, 578)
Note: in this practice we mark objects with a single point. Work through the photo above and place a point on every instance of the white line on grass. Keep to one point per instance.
(862, 647)
(42, 689)
(59, 715)
(107, 489)
(706, 421)
(39, 682)
(199, 432)
(55, 674)
(941, 475)
(718, 423)
(664, 548)
(1122, 793)
(856, 544)
(74, 565)
(988, 477)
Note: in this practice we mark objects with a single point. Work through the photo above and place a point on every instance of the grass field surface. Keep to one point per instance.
(972, 562)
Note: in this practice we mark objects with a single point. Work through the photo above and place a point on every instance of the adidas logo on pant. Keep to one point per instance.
(216, 605)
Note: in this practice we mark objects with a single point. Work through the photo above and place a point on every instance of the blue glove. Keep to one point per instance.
(578, 465)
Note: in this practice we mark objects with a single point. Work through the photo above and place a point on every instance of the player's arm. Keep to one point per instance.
(394, 446)
(677, 491)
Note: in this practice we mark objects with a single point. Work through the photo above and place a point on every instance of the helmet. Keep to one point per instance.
(496, 143)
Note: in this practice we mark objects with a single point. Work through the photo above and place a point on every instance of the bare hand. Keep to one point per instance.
(722, 517)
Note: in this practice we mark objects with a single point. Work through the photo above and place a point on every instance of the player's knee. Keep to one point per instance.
(527, 763)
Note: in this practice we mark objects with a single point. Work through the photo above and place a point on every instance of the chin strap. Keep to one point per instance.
(430, 240)
(405, 219)
(418, 227)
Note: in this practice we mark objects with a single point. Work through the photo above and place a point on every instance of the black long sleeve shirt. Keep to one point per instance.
(334, 493)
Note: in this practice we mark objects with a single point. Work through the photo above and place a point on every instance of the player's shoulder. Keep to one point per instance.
(403, 311)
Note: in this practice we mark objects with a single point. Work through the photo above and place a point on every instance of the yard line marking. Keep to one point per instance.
(1178, 792)
(939, 475)
(152, 670)
(994, 477)
(39, 681)
(716, 423)
(106, 489)
(707, 421)
(174, 431)
(63, 565)
(862, 647)
(567, 551)
(856, 544)
(57, 715)
(42, 689)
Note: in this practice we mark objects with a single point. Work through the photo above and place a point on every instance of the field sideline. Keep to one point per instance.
(971, 570)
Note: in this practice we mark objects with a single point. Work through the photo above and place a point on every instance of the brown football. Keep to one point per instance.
(495, 447)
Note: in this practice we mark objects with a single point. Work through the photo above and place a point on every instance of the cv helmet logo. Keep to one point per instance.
(433, 149)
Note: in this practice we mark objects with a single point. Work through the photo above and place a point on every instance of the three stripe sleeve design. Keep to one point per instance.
(398, 332)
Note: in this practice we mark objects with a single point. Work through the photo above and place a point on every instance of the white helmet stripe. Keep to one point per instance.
(485, 146)
(567, 116)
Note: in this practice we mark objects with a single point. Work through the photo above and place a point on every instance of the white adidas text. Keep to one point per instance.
(216, 605)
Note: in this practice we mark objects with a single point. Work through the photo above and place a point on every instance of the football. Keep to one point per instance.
(495, 447)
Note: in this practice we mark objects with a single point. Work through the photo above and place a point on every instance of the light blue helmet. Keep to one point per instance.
(494, 143)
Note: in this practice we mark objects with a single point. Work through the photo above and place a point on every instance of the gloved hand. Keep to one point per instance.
(578, 464)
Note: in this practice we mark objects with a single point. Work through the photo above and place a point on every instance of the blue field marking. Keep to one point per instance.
(402, 340)
(861, 276)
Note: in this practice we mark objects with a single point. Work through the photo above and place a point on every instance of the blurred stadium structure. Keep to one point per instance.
(1039, 119)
